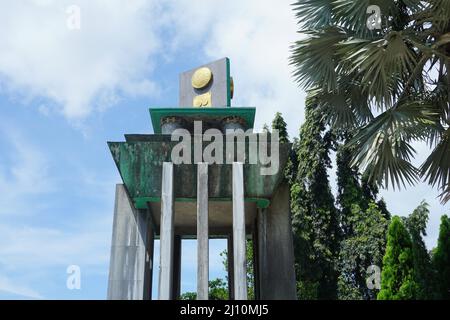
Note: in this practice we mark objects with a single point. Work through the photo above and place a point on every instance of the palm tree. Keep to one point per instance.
(390, 85)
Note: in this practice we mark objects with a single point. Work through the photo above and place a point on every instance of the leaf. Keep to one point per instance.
(315, 59)
(383, 148)
(321, 10)
(436, 169)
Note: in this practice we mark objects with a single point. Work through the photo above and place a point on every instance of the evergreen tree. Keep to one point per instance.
(364, 225)
(441, 260)
(365, 247)
(279, 124)
(314, 216)
(349, 189)
(423, 271)
(397, 277)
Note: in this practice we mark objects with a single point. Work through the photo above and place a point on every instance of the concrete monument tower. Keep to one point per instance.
(229, 197)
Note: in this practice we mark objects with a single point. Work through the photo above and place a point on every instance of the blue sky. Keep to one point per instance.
(64, 93)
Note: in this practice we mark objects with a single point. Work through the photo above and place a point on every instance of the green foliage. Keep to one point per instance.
(416, 224)
(189, 296)
(363, 248)
(397, 277)
(441, 259)
(279, 124)
(364, 224)
(314, 216)
(355, 73)
(350, 191)
(218, 290)
(250, 269)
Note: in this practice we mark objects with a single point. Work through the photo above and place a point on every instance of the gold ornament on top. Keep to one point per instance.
(203, 100)
(201, 78)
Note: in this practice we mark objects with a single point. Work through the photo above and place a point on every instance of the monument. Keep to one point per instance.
(231, 196)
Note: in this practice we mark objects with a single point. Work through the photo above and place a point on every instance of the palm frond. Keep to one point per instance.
(382, 65)
(321, 10)
(436, 169)
(315, 59)
(383, 148)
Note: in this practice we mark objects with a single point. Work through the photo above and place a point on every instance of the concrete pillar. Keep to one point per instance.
(148, 283)
(176, 283)
(128, 250)
(276, 249)
(230, 267)
(166, 233)
(202, 232)
(239, 238)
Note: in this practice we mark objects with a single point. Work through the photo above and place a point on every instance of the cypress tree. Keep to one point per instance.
(397, 277)
(423, 271)
(314, 216)
(279, 124)
(441, 260)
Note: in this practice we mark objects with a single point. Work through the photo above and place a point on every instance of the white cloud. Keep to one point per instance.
(256, 36)
(80, 70)
(114, 52)
(27, 174)
(31, 247)
(12, 287)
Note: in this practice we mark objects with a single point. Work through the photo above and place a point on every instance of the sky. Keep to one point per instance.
(64, 92)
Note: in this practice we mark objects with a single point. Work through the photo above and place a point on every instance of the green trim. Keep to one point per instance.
(156, 114)
(141, 202)
(228, 83)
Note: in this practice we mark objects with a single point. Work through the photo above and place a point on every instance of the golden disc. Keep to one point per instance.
(201, 78)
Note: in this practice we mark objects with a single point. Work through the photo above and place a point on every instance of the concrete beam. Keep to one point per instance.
(128, 250)
(166, 233)
(239, 239)
(202, 232)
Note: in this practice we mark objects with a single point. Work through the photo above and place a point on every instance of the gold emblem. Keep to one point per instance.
(231, 87)
(203, 100)
(201, 78)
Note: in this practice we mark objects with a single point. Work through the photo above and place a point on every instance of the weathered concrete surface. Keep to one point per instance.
(239, 237)
(166, 234)
(140, 166)
(128, 250)
(202, 232)
(276, 251)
